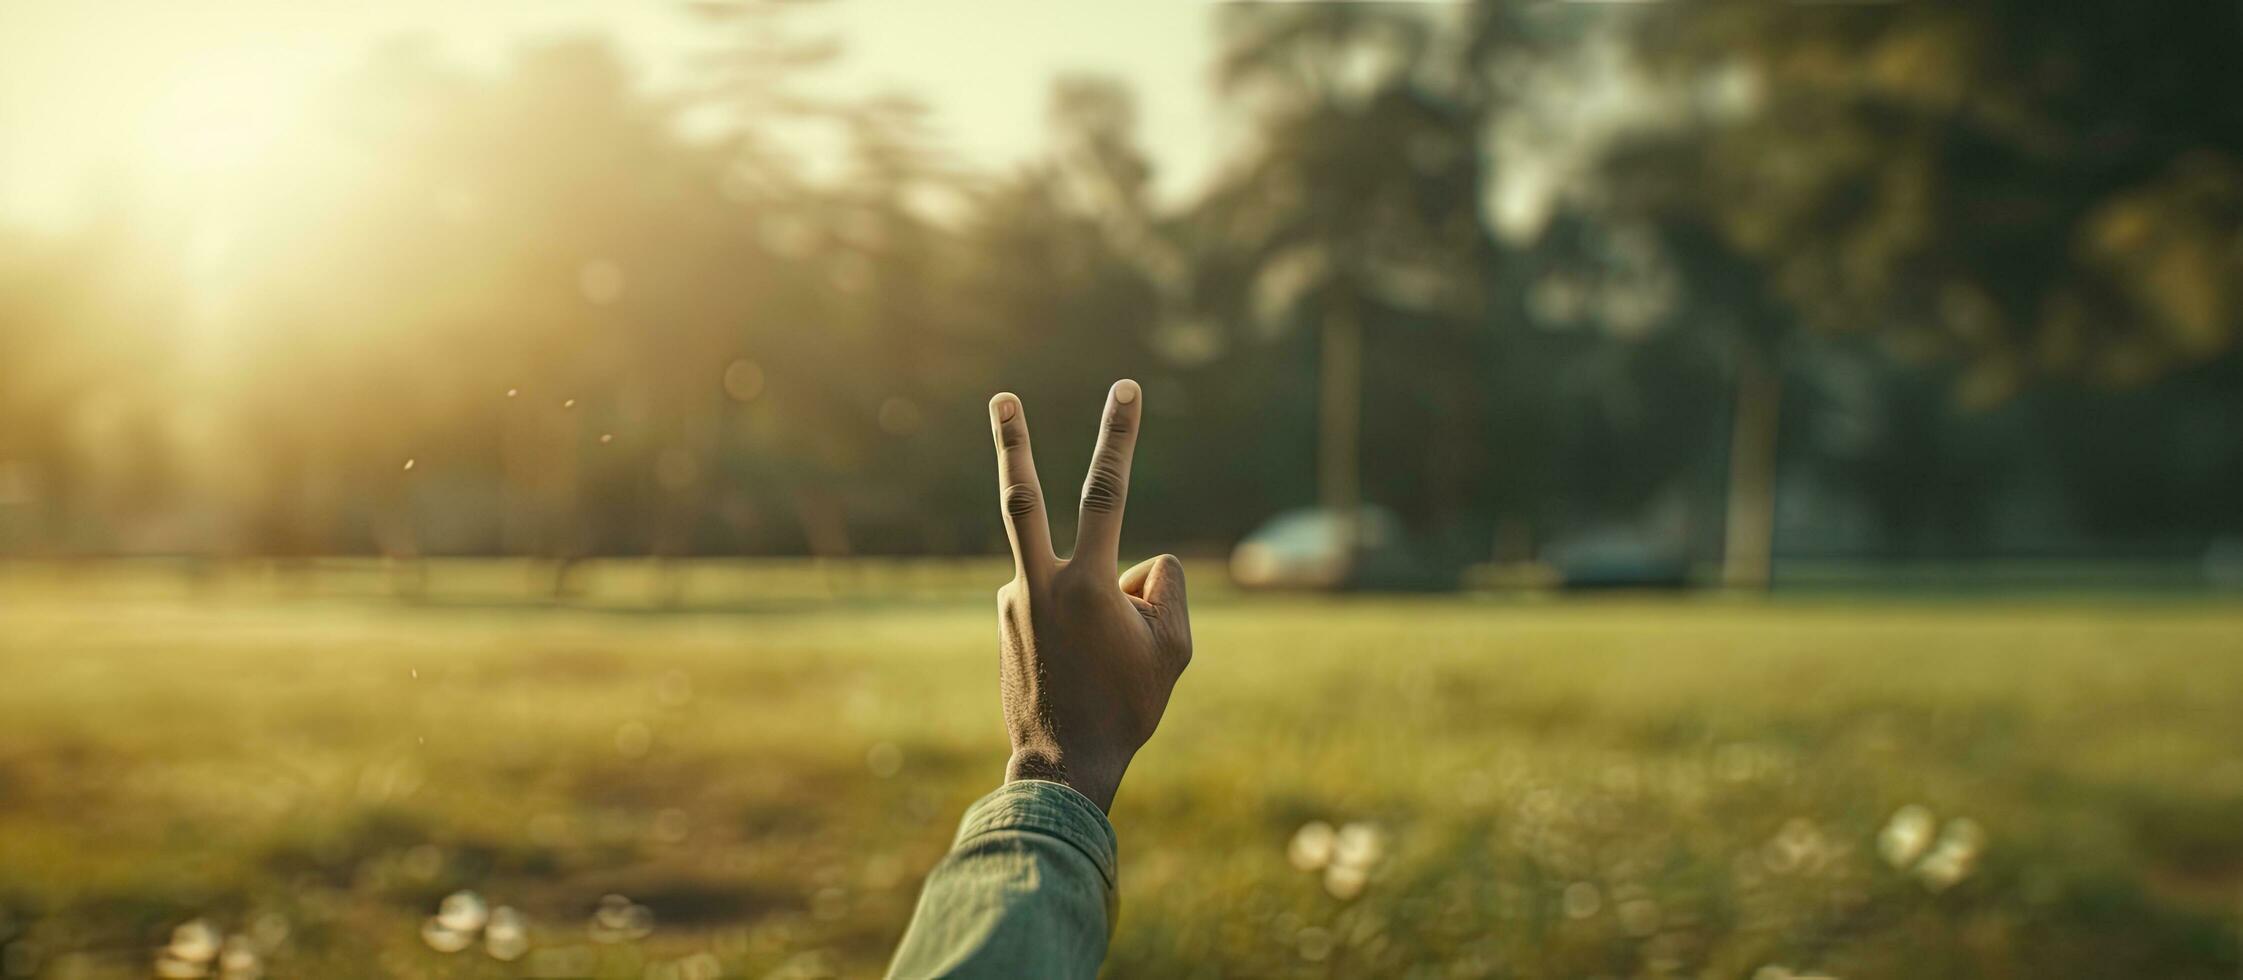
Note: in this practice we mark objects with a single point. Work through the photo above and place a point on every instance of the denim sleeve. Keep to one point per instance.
(1026, 891)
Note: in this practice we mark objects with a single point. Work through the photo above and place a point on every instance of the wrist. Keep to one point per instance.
(1095, 782)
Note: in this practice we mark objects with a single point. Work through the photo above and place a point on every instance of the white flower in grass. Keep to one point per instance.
(1907, 843)
(1906, 835)
(238, 959)
(197, 949)
(1954, 857)
(463, 911)
(506, 936)
(618, 919)
(1346, 856)
(195, 941)
(1345, 881)
(1358, 845)
(1311, 848)
(443, 938)
(463, 917)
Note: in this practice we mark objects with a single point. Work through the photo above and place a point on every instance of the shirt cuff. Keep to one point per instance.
(1048, 808)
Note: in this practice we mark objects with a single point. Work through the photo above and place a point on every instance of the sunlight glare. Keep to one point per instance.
(221, 116)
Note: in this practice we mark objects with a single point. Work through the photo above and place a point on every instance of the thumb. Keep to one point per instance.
(1156, 580)
(1163, 582)
(1160, 583)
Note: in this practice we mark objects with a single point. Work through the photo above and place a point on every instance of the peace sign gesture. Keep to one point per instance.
(1087, 658)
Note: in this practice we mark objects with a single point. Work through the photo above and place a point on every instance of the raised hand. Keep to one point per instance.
(1087, 657)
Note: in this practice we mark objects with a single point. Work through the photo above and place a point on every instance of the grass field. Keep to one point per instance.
(767, 758)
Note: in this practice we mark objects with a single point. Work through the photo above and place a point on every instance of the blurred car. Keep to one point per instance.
(1310, 549)
(1617, 558)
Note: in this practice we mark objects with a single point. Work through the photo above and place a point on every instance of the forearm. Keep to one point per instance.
(1027, 890)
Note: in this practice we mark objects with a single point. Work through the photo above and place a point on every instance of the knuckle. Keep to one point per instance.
(1119, 424)
(1012, 437)
(1020, 499)
(1102, 493)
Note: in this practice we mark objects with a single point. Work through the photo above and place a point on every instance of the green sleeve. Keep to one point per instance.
(1027, 890)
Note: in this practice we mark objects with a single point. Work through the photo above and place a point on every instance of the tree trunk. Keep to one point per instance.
(1748, 553)
(566, 535)
(1340, 422)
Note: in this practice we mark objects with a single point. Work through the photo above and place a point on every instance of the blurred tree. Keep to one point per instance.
(528, 268)
(1354, 209)
(869, 242)
(85, 431)
(1514, 271)
(1077, 278)
(2031, 191)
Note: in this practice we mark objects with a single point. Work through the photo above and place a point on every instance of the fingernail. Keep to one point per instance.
(1005, 406)
(1125, 391)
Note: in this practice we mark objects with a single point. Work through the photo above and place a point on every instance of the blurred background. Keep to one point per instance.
(505, 488)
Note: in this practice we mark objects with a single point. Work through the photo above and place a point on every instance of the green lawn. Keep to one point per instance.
(768, 757)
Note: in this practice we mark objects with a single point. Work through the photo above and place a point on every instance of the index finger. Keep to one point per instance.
(1021, 495)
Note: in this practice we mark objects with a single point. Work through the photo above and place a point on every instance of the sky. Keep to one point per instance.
(167, 92)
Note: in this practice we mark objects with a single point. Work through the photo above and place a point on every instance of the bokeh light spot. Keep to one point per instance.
(743, 380)
(601, 281)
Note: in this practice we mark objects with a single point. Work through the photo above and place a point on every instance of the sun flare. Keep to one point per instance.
(221, 116)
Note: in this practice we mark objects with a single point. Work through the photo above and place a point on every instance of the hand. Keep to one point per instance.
(1086, 658)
